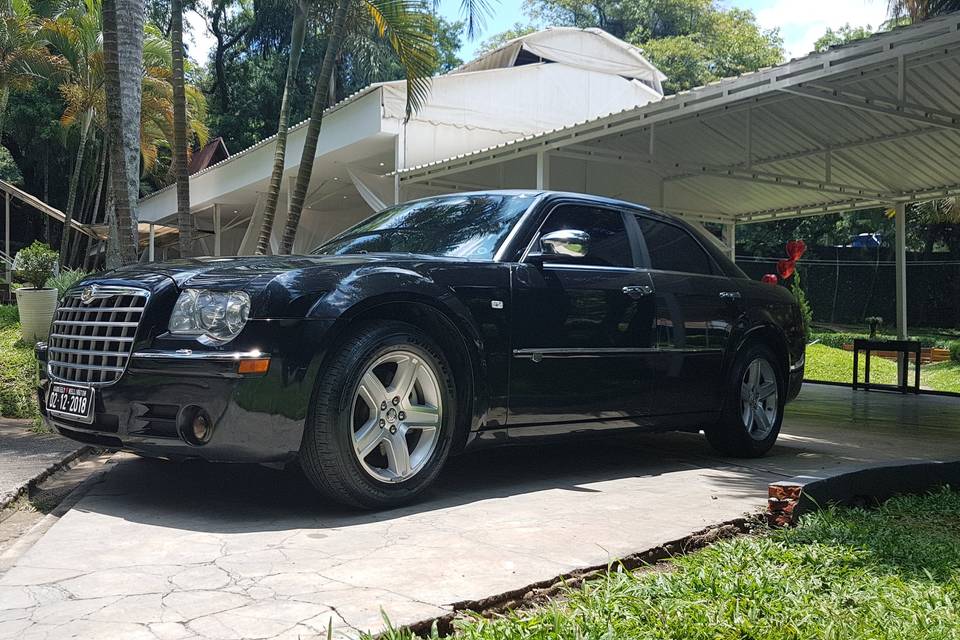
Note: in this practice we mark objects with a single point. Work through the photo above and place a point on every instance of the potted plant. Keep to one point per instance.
(37, 303)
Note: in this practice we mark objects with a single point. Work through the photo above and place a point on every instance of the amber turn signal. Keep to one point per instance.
(254, 365)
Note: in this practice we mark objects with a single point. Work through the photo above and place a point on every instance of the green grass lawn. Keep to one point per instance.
(890, 573)
(17, 370)
(836, 365)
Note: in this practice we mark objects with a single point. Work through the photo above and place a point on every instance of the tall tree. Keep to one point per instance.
(23, 56)
(123, 60)
(279, 156)
(918, 10)
(408, 26)
(179, 150)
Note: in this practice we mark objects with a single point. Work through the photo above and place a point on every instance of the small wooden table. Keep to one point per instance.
(903, 348)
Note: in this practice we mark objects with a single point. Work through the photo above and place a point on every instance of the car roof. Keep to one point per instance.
(546, 193)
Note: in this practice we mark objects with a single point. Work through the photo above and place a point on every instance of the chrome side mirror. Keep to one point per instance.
(571, 243)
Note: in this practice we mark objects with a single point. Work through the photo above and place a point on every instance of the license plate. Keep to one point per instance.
(71, 401)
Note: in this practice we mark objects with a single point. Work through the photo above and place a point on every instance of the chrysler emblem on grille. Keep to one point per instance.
(88, 295)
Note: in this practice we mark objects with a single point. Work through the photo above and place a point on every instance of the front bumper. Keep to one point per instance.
(146, 409)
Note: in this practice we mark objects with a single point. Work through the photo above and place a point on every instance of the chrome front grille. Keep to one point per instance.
(93, 333)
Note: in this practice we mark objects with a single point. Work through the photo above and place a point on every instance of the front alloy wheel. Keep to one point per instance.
(396, 416)
(383, 415)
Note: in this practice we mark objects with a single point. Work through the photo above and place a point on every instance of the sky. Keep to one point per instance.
(800, 22)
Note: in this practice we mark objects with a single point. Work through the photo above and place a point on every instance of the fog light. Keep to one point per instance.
(196, 426)
(201, 427)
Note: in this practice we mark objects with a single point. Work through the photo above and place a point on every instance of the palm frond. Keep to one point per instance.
(409, 27)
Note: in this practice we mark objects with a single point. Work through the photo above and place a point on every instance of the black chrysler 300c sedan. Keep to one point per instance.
(432, 326)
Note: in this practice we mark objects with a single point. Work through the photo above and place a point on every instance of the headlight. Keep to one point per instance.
(219, 315)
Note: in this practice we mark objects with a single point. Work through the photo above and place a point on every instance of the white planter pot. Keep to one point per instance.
(37, 307)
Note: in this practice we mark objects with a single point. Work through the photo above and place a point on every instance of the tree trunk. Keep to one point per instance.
(72, 190)
(279, 154)
(123, 70)
(180, 170)
(46, 194)
(91, 217)
(320, 96)
(101, 179)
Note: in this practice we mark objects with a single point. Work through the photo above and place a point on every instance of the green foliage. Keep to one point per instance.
(942, 376)
(843, 35)
(805, 313)
(832, 364)
(889, 573)
(18, 369)
(9, 314)
(35, 264)
(9, 171)
(955, 351)
(65, 279)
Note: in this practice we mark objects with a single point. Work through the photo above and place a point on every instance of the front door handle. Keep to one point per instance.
(730, 295)
(638, 291)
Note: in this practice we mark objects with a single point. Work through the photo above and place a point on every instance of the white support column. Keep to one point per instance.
(543, 170)
(399, 162)
(152, 243)
(216, 230)
(901, 270)
(730, 239)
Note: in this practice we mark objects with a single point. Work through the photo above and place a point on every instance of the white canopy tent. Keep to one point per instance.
(873, 123)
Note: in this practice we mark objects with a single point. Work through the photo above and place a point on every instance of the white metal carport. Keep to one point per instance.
(874, 123)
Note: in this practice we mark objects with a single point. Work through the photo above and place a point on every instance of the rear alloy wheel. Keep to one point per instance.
(753, 406)
(382, 420)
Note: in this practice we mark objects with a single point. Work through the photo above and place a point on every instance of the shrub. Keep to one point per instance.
(65, 279)
(35, 264)
(955, 351)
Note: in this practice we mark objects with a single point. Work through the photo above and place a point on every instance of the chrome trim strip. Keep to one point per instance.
(588, 267)
(105, 310)
(107, 290)
(95, 338)
(94, 323)
(210, 356)
(584, 352)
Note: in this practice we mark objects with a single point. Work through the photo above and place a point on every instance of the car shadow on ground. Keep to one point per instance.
(236, 498)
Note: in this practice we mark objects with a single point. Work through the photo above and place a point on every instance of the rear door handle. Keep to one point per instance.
(730, 295)
(637, 291)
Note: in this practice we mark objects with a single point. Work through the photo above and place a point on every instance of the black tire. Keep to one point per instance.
(327, 455)
(731, 434)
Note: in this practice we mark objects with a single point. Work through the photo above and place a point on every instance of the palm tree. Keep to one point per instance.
(919, 10)
(279, 155)
(408, 26)
(123, 60)
(179, 151)
(23, 56)
(76, 36)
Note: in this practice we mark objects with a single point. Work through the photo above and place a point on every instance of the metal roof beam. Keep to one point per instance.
(777, 180)
(874, 104)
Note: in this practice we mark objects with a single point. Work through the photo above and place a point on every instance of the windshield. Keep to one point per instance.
(462, 226)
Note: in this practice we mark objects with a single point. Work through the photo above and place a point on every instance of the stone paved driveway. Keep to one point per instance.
(160, 550)
(24, 454)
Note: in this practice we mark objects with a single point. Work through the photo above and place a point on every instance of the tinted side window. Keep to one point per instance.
(672, 248)
(609, 245)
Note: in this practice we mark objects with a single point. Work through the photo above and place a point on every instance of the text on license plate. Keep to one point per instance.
(71, 400)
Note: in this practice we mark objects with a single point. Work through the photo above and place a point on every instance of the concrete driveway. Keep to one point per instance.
(162, 550)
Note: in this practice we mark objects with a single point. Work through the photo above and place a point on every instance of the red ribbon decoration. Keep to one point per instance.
(769, 278)
(785, 267)
(796, 249)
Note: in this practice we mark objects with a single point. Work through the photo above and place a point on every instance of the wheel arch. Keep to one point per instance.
(453, 331)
